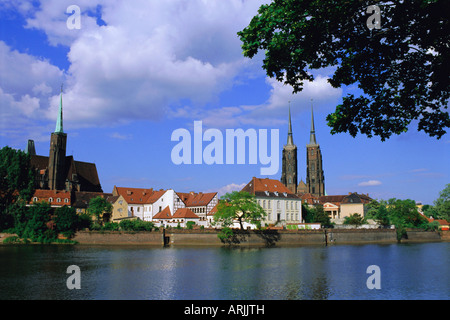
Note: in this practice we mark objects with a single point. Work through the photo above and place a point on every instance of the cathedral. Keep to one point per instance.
(315, 180)
(59, 171)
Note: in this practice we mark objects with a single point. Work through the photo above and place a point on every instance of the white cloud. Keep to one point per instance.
(271, 113)
(25, 83)
(369, 183)
(230, 188)
(120, 136)
(149, 56)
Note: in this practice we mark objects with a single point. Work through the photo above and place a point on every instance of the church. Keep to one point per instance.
(59, 171)
(315, 179)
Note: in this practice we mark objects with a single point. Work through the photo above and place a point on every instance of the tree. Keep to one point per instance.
(100, 208)
(355, 219)
(404, 214)
(33, 222)
(315, 215)
(16, 183)
(377, 210)
(67, 221)
(401, 68)
(442, 204)
(320, 216)
(240, 206)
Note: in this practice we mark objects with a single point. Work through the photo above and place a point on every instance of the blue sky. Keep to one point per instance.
(133, 74)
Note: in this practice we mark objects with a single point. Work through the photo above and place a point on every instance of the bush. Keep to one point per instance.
(136, 225)
(66, 220)
(111, 226)
(190, 225)
(355, 219)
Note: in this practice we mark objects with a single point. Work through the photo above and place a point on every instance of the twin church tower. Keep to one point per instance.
(315, 180)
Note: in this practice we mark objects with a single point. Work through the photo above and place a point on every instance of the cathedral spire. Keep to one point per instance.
(59, 120)
(290, 140)
(312, 136)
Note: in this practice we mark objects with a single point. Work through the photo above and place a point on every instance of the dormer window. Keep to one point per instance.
(50, 200)
(285, 194)
(276, 193)
(58, 200)
(266, 192)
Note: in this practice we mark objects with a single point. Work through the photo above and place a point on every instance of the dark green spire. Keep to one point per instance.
(59, 120)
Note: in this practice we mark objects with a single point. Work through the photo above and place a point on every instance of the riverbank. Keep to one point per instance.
(209, 237)
(181, 237)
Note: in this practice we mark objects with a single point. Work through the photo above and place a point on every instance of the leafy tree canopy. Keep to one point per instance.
(100, 208)
(16, 183)
(402, 68)
(240, 206)
(442, 204)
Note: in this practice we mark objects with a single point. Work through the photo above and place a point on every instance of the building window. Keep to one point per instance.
(50, 200)
(269, 203)
(264, 204)
(35, 199)
(66, 200)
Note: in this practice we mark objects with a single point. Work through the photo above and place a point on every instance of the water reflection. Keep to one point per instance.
(418, 271)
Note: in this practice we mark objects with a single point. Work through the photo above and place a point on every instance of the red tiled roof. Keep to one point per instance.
(138, 195)
(53, 195)
(165, 214)
(185, 213)
(192, 199)
(266, 184)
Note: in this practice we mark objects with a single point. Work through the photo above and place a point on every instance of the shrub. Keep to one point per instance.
(190, 225)
(136, 225)
(354, 219)
(111, 226)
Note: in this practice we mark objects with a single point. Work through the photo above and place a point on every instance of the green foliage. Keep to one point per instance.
(67, 221)
(16, 183)
(32, 223)
(442, 204)
(111, 226)
(401, 68)
(378, 212)
(240, 206)
(136, 225)
(316, 215)
(355, 219)
(190, 225)
(84, 221)
(100, 208)
(226, 234)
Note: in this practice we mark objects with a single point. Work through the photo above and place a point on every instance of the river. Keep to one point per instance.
(404, 271)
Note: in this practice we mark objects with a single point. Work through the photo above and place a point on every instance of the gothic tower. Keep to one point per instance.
(315, 180)
(57, 158)
(289, 161)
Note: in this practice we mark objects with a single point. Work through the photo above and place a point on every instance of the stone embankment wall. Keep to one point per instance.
(252, 238)
(117, 237)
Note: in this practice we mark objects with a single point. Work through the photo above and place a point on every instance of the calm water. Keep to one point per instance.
(408, 271)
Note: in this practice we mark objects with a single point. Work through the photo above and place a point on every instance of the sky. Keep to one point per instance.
(133, 72)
